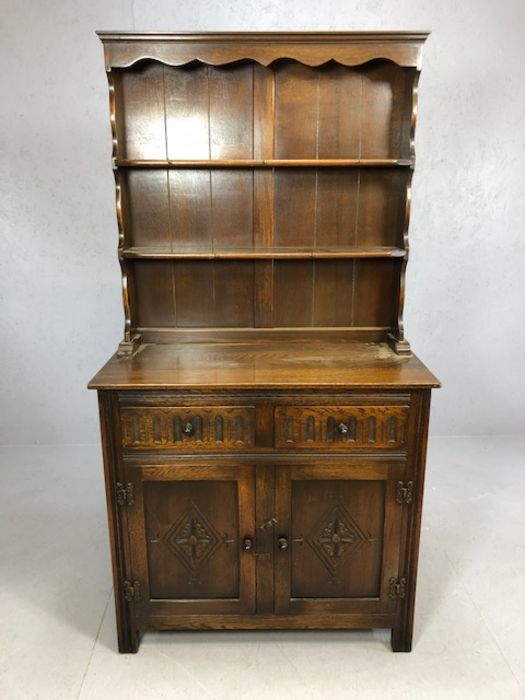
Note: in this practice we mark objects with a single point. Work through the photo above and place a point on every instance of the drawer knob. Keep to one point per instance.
(282, 543)
(342, 428)
(247, 544)
(188, 428)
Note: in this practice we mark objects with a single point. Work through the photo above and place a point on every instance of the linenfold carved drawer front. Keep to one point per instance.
(187, 428)
(341, 427)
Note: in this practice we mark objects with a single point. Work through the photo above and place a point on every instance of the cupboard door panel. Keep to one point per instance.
(342, 529)
(188, 527)
(341, 525)
(190, 534)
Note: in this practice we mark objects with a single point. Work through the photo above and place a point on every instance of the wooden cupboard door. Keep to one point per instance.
(337, 537)
(191, 534)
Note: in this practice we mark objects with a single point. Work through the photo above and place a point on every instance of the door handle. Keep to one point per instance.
(282, 543)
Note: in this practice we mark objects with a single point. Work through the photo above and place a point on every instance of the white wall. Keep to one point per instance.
(59, 278)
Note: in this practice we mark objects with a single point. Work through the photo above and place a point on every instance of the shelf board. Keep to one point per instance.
(271, 163)
(288, 253)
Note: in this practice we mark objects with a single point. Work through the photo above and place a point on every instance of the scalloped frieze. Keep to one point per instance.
(123, 52)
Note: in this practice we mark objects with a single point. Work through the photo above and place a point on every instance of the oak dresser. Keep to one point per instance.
(264, 421)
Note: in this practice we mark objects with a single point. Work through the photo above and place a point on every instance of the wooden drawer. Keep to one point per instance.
(188, 428)
(341, 427)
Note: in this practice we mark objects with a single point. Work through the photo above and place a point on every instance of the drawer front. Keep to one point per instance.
(341, 427)
(188, 428)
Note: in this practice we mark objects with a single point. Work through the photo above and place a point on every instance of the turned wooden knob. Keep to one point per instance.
(282, 543)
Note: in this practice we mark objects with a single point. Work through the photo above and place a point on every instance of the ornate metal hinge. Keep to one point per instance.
(124, 493)
(131, 591)
(397, 587)
(404, 491)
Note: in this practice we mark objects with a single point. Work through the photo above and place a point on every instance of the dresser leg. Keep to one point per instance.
(128, 640)
(401, 639)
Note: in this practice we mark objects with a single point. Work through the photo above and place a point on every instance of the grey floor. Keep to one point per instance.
(57, 627)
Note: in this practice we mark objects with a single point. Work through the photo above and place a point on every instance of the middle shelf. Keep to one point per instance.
(266, 163)
(267, 253)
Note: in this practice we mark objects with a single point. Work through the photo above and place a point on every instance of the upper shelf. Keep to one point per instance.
(269, 253)
(270, 163)
(123, 49)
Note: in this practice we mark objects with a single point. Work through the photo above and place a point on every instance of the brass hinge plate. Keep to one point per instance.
(397, 587)
(404, 491)
(124, 493)
(131, 591)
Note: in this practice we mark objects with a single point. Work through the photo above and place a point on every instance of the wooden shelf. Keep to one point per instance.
(288, 253)
(264, 361)
(304, 220)
(271, 163)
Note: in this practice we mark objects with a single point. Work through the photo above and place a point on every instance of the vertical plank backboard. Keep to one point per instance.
(146, 207)
(140, 100)
(231, 111)
(340, 112)
(187, 112)
(296, 110)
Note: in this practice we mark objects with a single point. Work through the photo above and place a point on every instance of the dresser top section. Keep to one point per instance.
(265, 364)
(123, 49)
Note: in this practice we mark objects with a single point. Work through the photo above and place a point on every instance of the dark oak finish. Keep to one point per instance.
(268, 163)
(189, 534)
(339, 537)
(264, 422)
(188, 428)
(287, 253)
(204, 360)
(214, 171)
(341, 427)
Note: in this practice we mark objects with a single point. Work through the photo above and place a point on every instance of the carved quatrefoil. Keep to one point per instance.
(193, 539)
(335, 536)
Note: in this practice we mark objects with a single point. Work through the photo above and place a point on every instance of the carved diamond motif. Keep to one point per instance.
(193, 539)
(335, 536)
